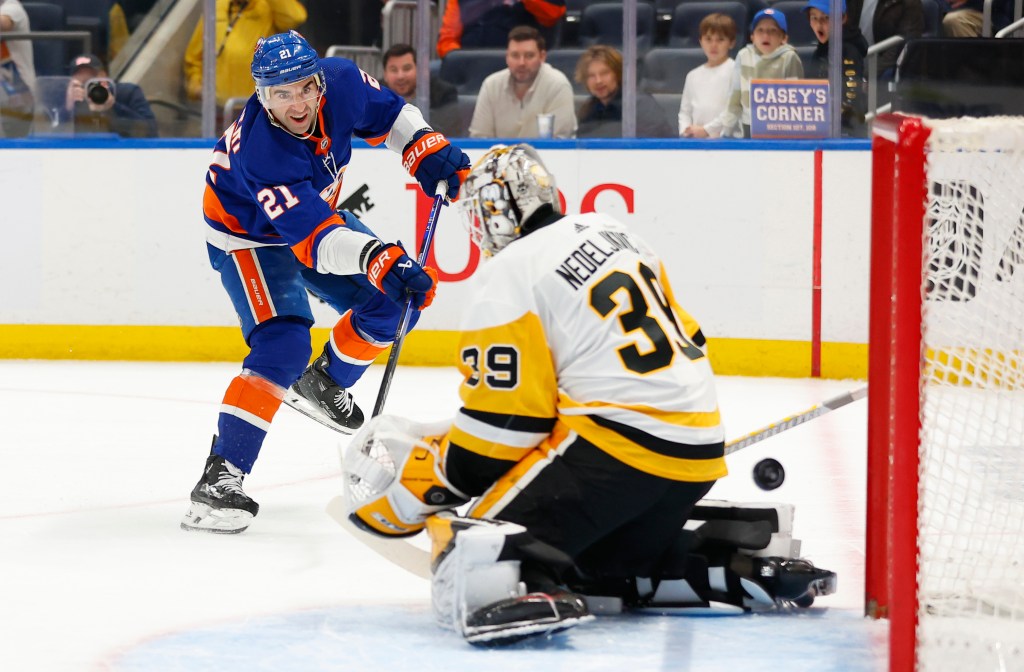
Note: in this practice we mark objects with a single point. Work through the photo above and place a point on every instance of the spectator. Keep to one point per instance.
(17, 72)
(707, 87)
(510, 99)
(964, 17)
(240, 23)
(768, 56)
(881, 19)
(99, 105)
(400, 76)
(600, 115)
(854, 49)
(469, 24)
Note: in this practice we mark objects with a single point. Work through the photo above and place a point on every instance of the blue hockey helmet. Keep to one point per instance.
(284, 58)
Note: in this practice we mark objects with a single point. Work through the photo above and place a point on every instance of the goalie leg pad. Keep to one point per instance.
(466, 571)
(757, 529)
(391, 479)
(747, 584)
(477, 587)
(730, 558)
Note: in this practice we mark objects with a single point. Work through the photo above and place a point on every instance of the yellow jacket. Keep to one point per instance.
(258, 18)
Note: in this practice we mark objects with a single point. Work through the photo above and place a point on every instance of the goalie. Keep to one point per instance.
(588, 437)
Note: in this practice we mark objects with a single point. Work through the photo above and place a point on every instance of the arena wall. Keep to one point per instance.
(767, 245)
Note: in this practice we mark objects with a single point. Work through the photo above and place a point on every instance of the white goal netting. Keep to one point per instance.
(971, 526)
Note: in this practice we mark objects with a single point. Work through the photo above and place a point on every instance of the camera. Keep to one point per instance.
(99, 90)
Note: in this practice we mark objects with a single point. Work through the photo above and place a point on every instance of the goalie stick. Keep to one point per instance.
(428, 237)
(397, 551)
(794, 420)
(417, 561)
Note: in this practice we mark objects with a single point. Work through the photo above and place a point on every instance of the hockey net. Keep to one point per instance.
(945, 545)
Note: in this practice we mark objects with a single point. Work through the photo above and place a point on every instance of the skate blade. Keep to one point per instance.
(711, 609)
(301, 404)
(515, 632)
(205, 518)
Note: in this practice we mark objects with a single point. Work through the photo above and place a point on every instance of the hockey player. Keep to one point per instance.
(589, 431)
(274, 232)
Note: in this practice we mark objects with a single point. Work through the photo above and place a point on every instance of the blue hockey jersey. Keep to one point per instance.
(268, 187)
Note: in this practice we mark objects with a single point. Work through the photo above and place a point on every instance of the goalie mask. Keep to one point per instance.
(503, 191)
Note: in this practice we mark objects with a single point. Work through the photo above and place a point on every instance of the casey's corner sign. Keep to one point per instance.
(789, 108)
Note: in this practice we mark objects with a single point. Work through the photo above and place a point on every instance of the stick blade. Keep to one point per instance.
(397, 551)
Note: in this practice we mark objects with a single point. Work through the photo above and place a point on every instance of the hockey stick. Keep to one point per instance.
(397, 551)
(428, 237)
(794, 420)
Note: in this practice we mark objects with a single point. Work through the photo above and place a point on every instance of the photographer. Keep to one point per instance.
(99, 105)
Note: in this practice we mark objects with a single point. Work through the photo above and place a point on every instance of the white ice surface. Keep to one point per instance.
(97, 460)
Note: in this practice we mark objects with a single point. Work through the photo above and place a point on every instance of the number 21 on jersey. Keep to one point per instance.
(268, 199)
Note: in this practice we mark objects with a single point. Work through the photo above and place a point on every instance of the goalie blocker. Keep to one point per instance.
(494, 583)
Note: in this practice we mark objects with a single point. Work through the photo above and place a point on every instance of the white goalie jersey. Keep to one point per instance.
(574, 328)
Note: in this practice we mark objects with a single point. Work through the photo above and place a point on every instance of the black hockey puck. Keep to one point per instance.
(769, 474)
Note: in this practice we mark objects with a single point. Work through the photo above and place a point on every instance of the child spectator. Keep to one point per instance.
(768, 56)
(707, 87)
(854, 49)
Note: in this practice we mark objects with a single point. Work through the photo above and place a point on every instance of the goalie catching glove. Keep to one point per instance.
(390, 270)
(430, 158)
(392, 482)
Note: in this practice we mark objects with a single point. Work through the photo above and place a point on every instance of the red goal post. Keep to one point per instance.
(945, 501)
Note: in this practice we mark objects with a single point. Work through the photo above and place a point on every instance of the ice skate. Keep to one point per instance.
(219, 504)
(516, 618)
(317, 396)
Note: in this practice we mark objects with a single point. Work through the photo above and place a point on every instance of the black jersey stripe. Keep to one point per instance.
(684, 451)
(471, 473)
(518, 423)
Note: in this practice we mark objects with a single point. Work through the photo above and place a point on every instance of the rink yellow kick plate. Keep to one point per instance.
(729, 356)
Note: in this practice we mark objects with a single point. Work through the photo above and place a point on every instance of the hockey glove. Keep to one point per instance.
(392, 271)
(430, 158)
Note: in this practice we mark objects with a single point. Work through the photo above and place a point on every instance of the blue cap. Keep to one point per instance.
(775, 15)
(824, 6)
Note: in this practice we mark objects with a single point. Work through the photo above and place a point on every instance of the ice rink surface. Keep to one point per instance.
(98, 460)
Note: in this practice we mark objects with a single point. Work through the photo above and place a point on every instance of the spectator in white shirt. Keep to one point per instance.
(707, 87)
